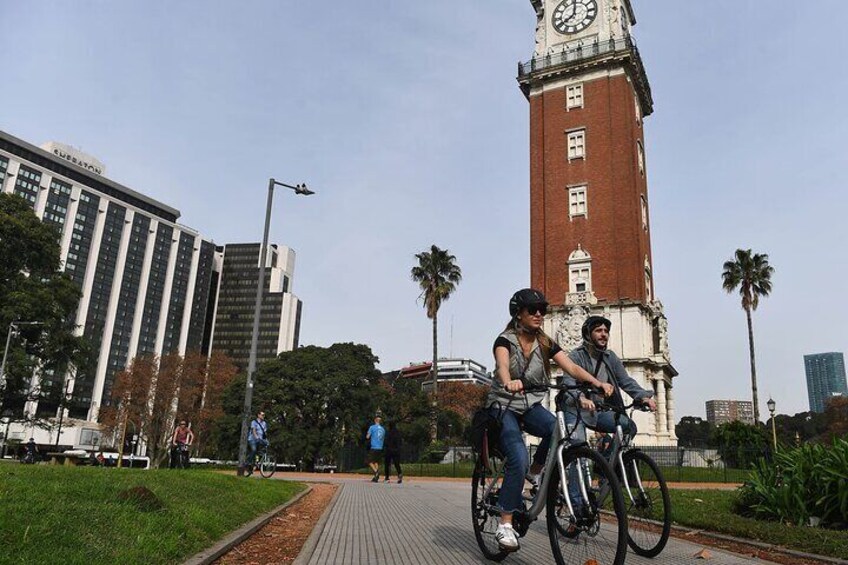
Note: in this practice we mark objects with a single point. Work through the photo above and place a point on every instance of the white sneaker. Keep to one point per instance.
(506, 537)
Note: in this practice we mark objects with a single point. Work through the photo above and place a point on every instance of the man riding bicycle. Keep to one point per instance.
(257, 436)
(594, 357)
(180, 443)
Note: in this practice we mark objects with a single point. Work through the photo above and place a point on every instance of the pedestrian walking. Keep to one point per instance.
(394, 442)
(376, 436)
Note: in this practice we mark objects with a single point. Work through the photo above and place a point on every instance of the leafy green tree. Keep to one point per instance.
(315, 400)
(33, 290)
(751, 274)
(740, 444)
(693, 431)
(437, 275)
(809, 426)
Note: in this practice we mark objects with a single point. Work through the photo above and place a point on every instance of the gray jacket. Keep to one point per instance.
(611, 365)
(534, 374)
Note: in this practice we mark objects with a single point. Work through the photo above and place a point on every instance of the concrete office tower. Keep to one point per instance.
(279, 323)
(825, 378)
(145, 278)
(590, 232)
(724, 411)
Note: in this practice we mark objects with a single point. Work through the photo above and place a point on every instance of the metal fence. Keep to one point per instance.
(678, 464)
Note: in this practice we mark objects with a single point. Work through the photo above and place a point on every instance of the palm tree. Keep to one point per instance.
(437, 274)
(751, 273)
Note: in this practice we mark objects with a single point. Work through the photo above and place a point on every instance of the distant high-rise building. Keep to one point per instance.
(145, 278)
(724, 411)
(825, 378)
(279, 321)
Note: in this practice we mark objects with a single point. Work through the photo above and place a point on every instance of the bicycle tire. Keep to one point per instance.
(649, 525)
(484, 520)
(267, 466)
(599, 534)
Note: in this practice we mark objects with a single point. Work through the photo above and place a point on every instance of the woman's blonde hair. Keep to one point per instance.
(545, 342)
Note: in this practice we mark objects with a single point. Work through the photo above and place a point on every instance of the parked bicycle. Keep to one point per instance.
(264, 462)
(583, 527)
(645, 491)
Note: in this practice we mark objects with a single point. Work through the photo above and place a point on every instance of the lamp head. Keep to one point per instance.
(302, 189)
(771, 405)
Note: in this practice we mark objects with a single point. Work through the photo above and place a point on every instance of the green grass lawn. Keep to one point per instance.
(56, 514)
(714, 513)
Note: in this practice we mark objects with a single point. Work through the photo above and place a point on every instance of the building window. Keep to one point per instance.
(644, 212)
(638, 110)
(640, 152)
(579, 271)
(577, 201)
(648, 293)
(574, 96)
(577, 144)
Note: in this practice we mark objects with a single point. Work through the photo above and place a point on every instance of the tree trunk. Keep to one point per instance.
(434, 408)
(753, 368)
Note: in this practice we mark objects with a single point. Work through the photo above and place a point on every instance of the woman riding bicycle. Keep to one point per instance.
(522, 355)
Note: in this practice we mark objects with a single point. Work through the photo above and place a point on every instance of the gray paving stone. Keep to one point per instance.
(430, 522)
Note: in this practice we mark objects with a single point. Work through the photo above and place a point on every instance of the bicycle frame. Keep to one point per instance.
(620, 446)
(560, 442)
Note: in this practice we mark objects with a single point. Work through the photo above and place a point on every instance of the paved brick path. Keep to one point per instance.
(429, 522)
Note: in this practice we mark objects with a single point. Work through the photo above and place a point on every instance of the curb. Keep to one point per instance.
(757, 544)
(208, 555)
(312, 541)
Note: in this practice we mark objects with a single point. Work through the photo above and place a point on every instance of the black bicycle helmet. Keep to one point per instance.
(593, 322)
(524, 298)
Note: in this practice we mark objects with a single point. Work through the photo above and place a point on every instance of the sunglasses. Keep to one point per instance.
(538, 309)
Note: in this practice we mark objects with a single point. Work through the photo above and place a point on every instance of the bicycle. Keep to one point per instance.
(263, 462)
(181, 456)
(597, 533)
(645, 491)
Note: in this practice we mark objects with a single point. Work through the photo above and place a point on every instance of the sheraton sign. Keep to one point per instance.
(75, 156)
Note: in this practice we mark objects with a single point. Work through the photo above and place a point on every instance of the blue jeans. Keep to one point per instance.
(538, 421)
(254, 446)
(605, 423)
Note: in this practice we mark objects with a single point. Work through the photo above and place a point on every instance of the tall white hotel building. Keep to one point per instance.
(149, 284)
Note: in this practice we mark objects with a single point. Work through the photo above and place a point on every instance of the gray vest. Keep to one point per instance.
(533, 371)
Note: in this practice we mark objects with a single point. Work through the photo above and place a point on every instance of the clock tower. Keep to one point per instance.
(590, 244)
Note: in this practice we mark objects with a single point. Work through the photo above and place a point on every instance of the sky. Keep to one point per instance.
(406, 120)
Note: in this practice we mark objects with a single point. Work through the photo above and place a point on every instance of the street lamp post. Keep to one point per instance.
(254, 342)
(14, 328)
(771, 406)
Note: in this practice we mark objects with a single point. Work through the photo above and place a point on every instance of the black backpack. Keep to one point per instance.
(486, 430)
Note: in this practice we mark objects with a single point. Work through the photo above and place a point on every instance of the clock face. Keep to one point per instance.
(572, 16)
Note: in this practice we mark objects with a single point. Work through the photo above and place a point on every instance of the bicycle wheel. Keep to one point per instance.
(267, 466)
(598, 532)
(485, 487)
(649, 509)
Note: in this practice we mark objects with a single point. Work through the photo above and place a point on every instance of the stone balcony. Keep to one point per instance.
(580, 298)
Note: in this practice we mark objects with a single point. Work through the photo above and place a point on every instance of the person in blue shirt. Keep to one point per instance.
(257, 435)
(375, 436)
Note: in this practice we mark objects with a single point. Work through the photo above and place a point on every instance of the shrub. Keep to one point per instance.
(808, 482)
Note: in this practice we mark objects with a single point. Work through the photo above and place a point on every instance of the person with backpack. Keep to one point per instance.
(523, 353)
(257, 436)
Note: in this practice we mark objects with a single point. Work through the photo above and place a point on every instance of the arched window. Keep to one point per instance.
(579, 271)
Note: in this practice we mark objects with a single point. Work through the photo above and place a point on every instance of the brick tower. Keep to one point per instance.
(590, 244)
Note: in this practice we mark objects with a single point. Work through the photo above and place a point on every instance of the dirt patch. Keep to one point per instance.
(746, 549)
(281, 539)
